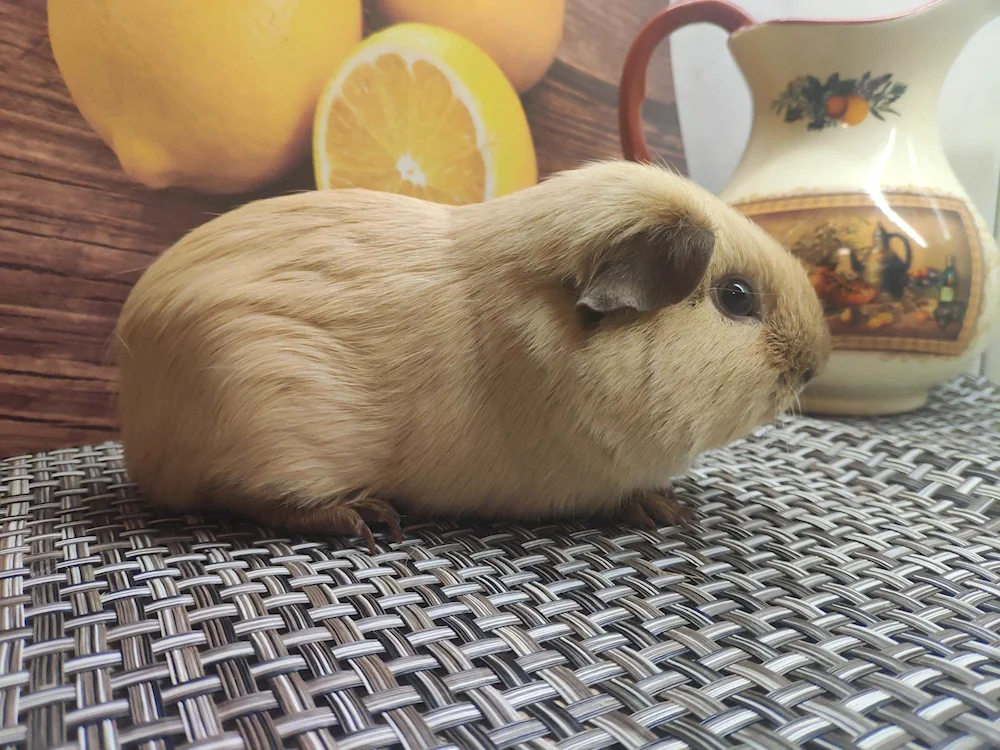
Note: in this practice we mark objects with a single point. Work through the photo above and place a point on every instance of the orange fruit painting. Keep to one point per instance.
(838, 101)
(855, 111)
(836, 106)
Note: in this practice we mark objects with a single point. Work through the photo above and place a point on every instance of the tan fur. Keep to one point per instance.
(302, 348)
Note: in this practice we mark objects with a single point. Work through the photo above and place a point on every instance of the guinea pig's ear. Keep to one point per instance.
(650, 269)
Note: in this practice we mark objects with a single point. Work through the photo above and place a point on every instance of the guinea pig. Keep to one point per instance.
(322, 360)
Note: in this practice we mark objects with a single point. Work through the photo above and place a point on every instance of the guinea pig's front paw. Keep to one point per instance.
(649, 510)
(346, 516)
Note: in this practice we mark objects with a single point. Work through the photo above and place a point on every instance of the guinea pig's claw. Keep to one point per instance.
(633, 514)
(393, 523)
(651, 509)
(367, 534)
(346, 516)
(367, 509)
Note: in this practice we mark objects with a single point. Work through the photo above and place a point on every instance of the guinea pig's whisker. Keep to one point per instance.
(811, 255)
(107, 354)
(788, 418)
(127, 271)
(755, 294)
(795, 228)
(743, 419)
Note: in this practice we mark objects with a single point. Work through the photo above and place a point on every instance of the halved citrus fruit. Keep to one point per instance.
(424, 112)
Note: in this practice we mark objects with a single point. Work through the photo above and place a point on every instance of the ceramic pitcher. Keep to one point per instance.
(845, 166)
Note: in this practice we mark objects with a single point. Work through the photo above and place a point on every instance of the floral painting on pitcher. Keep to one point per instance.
(902, 274)
(838, 101)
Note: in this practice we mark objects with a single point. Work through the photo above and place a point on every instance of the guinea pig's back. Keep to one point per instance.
(254, 353)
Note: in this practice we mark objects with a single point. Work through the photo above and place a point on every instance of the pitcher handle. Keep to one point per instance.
(632, 91)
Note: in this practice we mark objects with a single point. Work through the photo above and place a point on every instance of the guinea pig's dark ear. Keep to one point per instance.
(650, 269)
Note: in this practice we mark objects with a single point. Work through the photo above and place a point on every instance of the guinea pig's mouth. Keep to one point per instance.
(789, 391)
(782, 401)
(788, 400)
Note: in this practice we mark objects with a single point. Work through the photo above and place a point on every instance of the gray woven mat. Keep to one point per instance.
(842, 590)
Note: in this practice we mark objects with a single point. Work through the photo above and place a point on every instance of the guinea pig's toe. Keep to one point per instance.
(348, 516)
(397, 532)
(390, 517)
(665, 510)
(363, 530)
(370, 509)
(633, 514)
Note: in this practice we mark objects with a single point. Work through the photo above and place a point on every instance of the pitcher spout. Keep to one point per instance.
(949, 24)
(985, 10)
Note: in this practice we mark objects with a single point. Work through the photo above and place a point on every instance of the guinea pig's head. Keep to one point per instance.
(709, 324)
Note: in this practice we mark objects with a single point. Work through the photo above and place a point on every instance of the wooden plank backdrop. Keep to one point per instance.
(75, 233)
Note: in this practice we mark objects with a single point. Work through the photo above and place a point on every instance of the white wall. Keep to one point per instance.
(715, 104)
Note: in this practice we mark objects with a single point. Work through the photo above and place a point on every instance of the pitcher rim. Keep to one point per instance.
(838, 21)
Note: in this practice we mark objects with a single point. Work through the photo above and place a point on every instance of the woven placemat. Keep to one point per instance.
(842, 589)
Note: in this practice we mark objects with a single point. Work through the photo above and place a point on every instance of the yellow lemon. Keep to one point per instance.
(421, 111)
(215, 95)
(520, 35)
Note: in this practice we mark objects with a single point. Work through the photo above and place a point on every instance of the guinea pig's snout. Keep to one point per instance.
(808, 358)
(799, 374)
(806, 370)
(798, 378)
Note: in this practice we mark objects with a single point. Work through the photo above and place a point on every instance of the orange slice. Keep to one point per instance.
(421, 111)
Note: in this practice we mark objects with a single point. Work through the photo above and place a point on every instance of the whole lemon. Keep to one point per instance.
(215, 95)
(520, 35)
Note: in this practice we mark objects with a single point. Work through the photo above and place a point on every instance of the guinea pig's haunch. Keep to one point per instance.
(320, 360)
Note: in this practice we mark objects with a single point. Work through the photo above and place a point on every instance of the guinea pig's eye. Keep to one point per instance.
(736, 297)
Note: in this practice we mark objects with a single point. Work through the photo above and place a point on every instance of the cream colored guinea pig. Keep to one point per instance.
(320, 360)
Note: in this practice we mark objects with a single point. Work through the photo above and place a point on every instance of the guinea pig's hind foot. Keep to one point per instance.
(345, 516)
(649, 510)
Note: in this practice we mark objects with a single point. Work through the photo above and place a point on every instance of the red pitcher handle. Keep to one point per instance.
(632, 91)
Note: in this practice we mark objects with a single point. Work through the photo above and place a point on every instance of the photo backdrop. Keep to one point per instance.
(76, 230)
